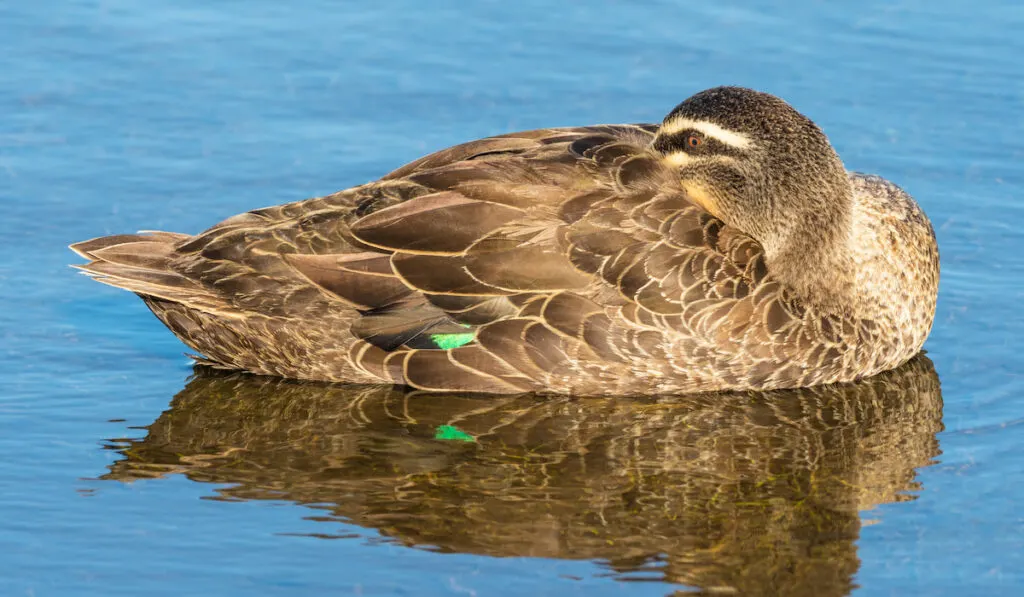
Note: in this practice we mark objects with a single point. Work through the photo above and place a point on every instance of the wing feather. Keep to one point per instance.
(567, 257)
(442, 223)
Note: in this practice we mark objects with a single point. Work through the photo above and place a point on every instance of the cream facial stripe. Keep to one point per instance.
(732, 138)
(681, 158)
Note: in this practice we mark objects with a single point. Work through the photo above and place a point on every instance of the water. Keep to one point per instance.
(123, 475)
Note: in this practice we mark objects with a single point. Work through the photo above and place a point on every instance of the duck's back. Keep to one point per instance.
(560, 259)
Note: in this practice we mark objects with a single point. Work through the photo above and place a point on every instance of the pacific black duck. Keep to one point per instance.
(727, 248)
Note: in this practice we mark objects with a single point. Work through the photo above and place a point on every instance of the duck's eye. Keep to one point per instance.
(694, 141)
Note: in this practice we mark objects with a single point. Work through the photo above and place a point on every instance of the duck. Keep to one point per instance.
(725, 249)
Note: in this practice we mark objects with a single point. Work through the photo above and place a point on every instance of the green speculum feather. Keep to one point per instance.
(449, 341)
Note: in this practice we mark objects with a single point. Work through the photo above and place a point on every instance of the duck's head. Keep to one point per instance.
(753, 161)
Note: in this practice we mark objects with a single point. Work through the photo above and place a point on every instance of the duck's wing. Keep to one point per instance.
(570, 256)
(374, 245)
(557, 258)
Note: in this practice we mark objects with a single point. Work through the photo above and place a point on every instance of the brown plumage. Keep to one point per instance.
(727, 248)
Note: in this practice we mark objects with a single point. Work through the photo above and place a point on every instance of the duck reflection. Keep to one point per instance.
(757, 493)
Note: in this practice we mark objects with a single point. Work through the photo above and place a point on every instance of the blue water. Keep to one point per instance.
(117, 116)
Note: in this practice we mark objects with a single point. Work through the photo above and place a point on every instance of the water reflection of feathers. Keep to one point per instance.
(759, 492)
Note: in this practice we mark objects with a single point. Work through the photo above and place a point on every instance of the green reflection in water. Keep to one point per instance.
(447, 432)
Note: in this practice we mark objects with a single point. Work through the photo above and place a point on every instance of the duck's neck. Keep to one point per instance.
(816, 259)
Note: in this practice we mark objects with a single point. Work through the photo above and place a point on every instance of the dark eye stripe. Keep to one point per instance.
(680, 142)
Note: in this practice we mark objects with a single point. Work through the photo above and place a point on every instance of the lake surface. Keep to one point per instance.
(125, 472)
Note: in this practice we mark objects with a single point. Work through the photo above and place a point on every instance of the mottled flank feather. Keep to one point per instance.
(565, 260)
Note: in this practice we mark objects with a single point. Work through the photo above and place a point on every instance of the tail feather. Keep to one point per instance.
(86, 247)
(149, 255)
(142, 263)
(210, 315)
(170, 237)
